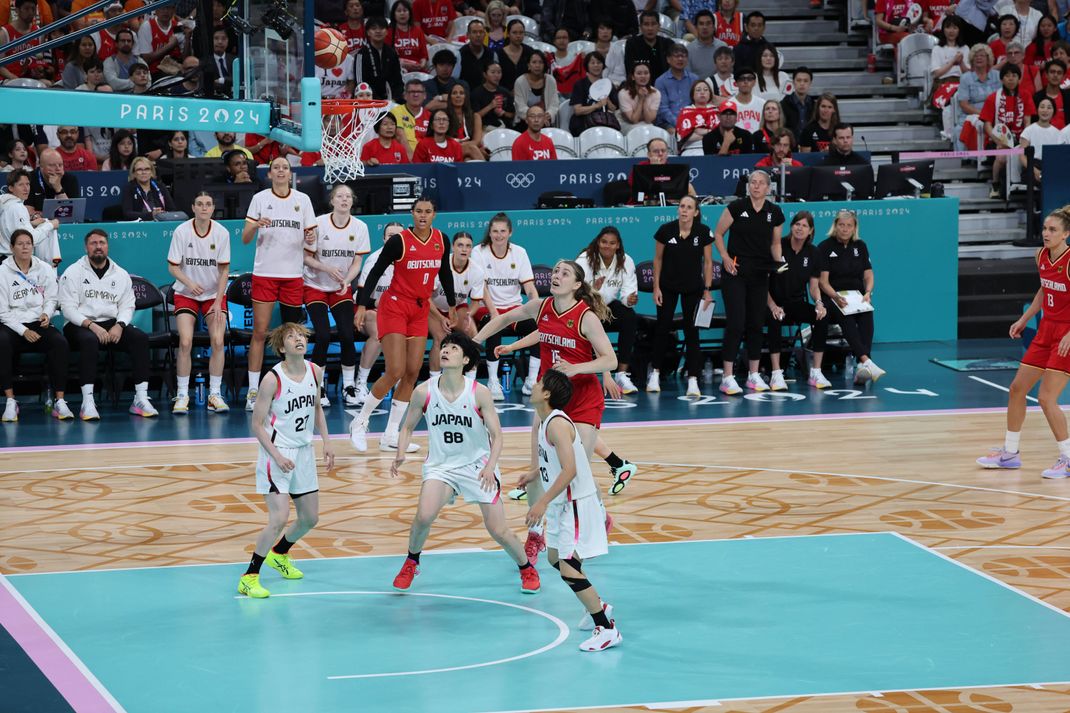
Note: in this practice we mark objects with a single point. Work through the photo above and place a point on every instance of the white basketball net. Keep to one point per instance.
(343, 137)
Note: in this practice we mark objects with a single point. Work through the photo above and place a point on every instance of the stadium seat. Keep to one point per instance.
(460, 26)
(564, 142)
(668, 26)
(581, 46)
(161, 352)
(433, 49)
(531, 27)
(640, 136)
(544, 48)
(602, 142)
(201, 338)
(419, 76)
(913, 61)
(499, 142)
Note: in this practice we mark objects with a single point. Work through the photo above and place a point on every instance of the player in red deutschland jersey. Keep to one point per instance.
(417, 254)
(1048, 358)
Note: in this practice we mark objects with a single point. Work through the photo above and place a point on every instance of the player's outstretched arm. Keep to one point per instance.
(529, 310)
(321, 421)
(408, 425)
(525, 342)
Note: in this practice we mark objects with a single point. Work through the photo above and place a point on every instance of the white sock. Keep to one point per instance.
(370, 404)
(778, 372)
(141, 390)
(435, 372)
(347, 376)
(492, 371)
(12, 398)
(87, 391)
(815, 371)
(254, 379)
(362, 375)
(1011, 441)
(537, 529)
(397, 412)
(215, 384)
(533, 368)
(752, 375)
(183, 386)
(1064, 448)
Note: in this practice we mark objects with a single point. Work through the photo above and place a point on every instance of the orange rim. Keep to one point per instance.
(334, 107)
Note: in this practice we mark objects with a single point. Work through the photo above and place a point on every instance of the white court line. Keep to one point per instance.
(1000, 547)
(986, 382)
(62, 646)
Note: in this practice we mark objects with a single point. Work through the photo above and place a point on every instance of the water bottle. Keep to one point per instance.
(507, 377)
(198, 389)
(707, 371)
(849, 365)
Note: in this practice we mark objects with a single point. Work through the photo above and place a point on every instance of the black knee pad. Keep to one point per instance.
(556, 565)
(575, 564)
(577, 584)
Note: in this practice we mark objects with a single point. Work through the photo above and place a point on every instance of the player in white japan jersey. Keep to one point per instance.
(582, 485)
(464, 442)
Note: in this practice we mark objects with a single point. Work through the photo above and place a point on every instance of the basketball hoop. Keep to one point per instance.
(347, 123)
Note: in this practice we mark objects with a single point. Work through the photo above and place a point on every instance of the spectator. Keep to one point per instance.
(532, 145)
(1008, 26)
(845, 265)
(639, 101)
(536, 88)
(17, 157)
(772, 122)
(674, 87)
(14, 217)
(947, 62)
(117, 67)
(1061, 51)
(934, 13)
(385, 148)
(723, 81)
(435, 18)
(140, 78)
(238, 169)
(160, 37)
(1010, 108)
(190, 86)
(226, 141)
(975, 86)
(475, 55)
(1055, 73)
(143, 197)
(122, 153)
(891, 20)
(1028, 17)
(1039, 134)
(566, 63)
(841, 151)
(569, 15)
(648, 47)
(51, 181)
(683, 271)
(700, 52)
(798, 106)
(788, 303)
(218, 75)
(23, 23)
(352, 28)
(105, 37)
(177, 146)
(817, 136)
(407, 38)
(619, 15)
(265, 150)
(438, 87)
(468, 126)
(514, 55)
(748, 106)
(975, 14)
(587, 111)
(83, 52)
(613, 51)
(696, 120)
(491, 101)
(780, 147)
(611, 272)
(28, 297)
(1039, 50)
(412, 118)
(772, 82)
(728, 23)
(76, 157)
(690, 13)
(94, 78)
(496, 30)
(438, 146)
(657, 154)
(1030, 75)
(97, 299)
(337, 82)
(748, 52)
(378, 63)
(727, 138)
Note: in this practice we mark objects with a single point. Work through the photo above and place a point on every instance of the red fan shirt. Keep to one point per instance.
(1003, 108)
(354, 37)
(527, 149)
(567, 72)
(434, 16)
(375, 149)
(410, 44)
(428, 151)
(728, 31)
(696, 117)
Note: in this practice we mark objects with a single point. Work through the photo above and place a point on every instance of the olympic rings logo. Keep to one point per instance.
(520, 180)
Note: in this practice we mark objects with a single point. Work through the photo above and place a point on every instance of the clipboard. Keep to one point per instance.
(704, 314)
(855, 303)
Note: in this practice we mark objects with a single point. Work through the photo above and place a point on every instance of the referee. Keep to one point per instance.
(753, 251)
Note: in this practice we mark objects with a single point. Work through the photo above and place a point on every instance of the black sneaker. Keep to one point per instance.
(349, 396)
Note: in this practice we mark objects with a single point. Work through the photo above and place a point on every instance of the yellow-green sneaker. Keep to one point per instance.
(283, 565)
(249, 585)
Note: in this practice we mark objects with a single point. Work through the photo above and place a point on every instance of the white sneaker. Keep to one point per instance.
(692, 388)
(729, 386)
(142, 406)
(863, 374)
(653, 382)
(602, 639)
(217, 404)
(250, 399)
(11, 411)
(390, 443)
(818, 380)
(362, 393)
(755, 382)
(496, 392)
(88, 411)
(60, 410)
(180, 404)
(349, 396)
(875, 371)
(358, 434)
(324, 401)
(776, 381)
(529, 385)
(587, 622)
(624, 382)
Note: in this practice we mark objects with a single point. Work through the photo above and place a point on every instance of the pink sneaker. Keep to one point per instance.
(529, 580)
(535, 544)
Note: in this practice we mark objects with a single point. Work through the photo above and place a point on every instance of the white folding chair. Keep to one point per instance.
(581, 46)
(641, 134)
(418, 76)
(544, 48)
(460, 26)
(668, 26)
(499, 142)
(564, 142)
(433, 49)
(602, 142)
(913, 62)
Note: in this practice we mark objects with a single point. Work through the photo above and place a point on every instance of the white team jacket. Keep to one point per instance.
(617, 285)
(25, 297)
(82, 295)
(13, 215)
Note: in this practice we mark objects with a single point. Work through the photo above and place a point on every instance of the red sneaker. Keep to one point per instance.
(609, 523)
(408, 572)
(529, 580)
(535, 544)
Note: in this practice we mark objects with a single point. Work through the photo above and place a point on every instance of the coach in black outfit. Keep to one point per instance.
(842, 149)
(683, 269)
(751, 253)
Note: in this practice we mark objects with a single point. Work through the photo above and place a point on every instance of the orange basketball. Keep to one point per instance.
(331, 48)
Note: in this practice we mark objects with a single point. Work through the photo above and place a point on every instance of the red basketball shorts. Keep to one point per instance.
(398, 315)
(1043, 352)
